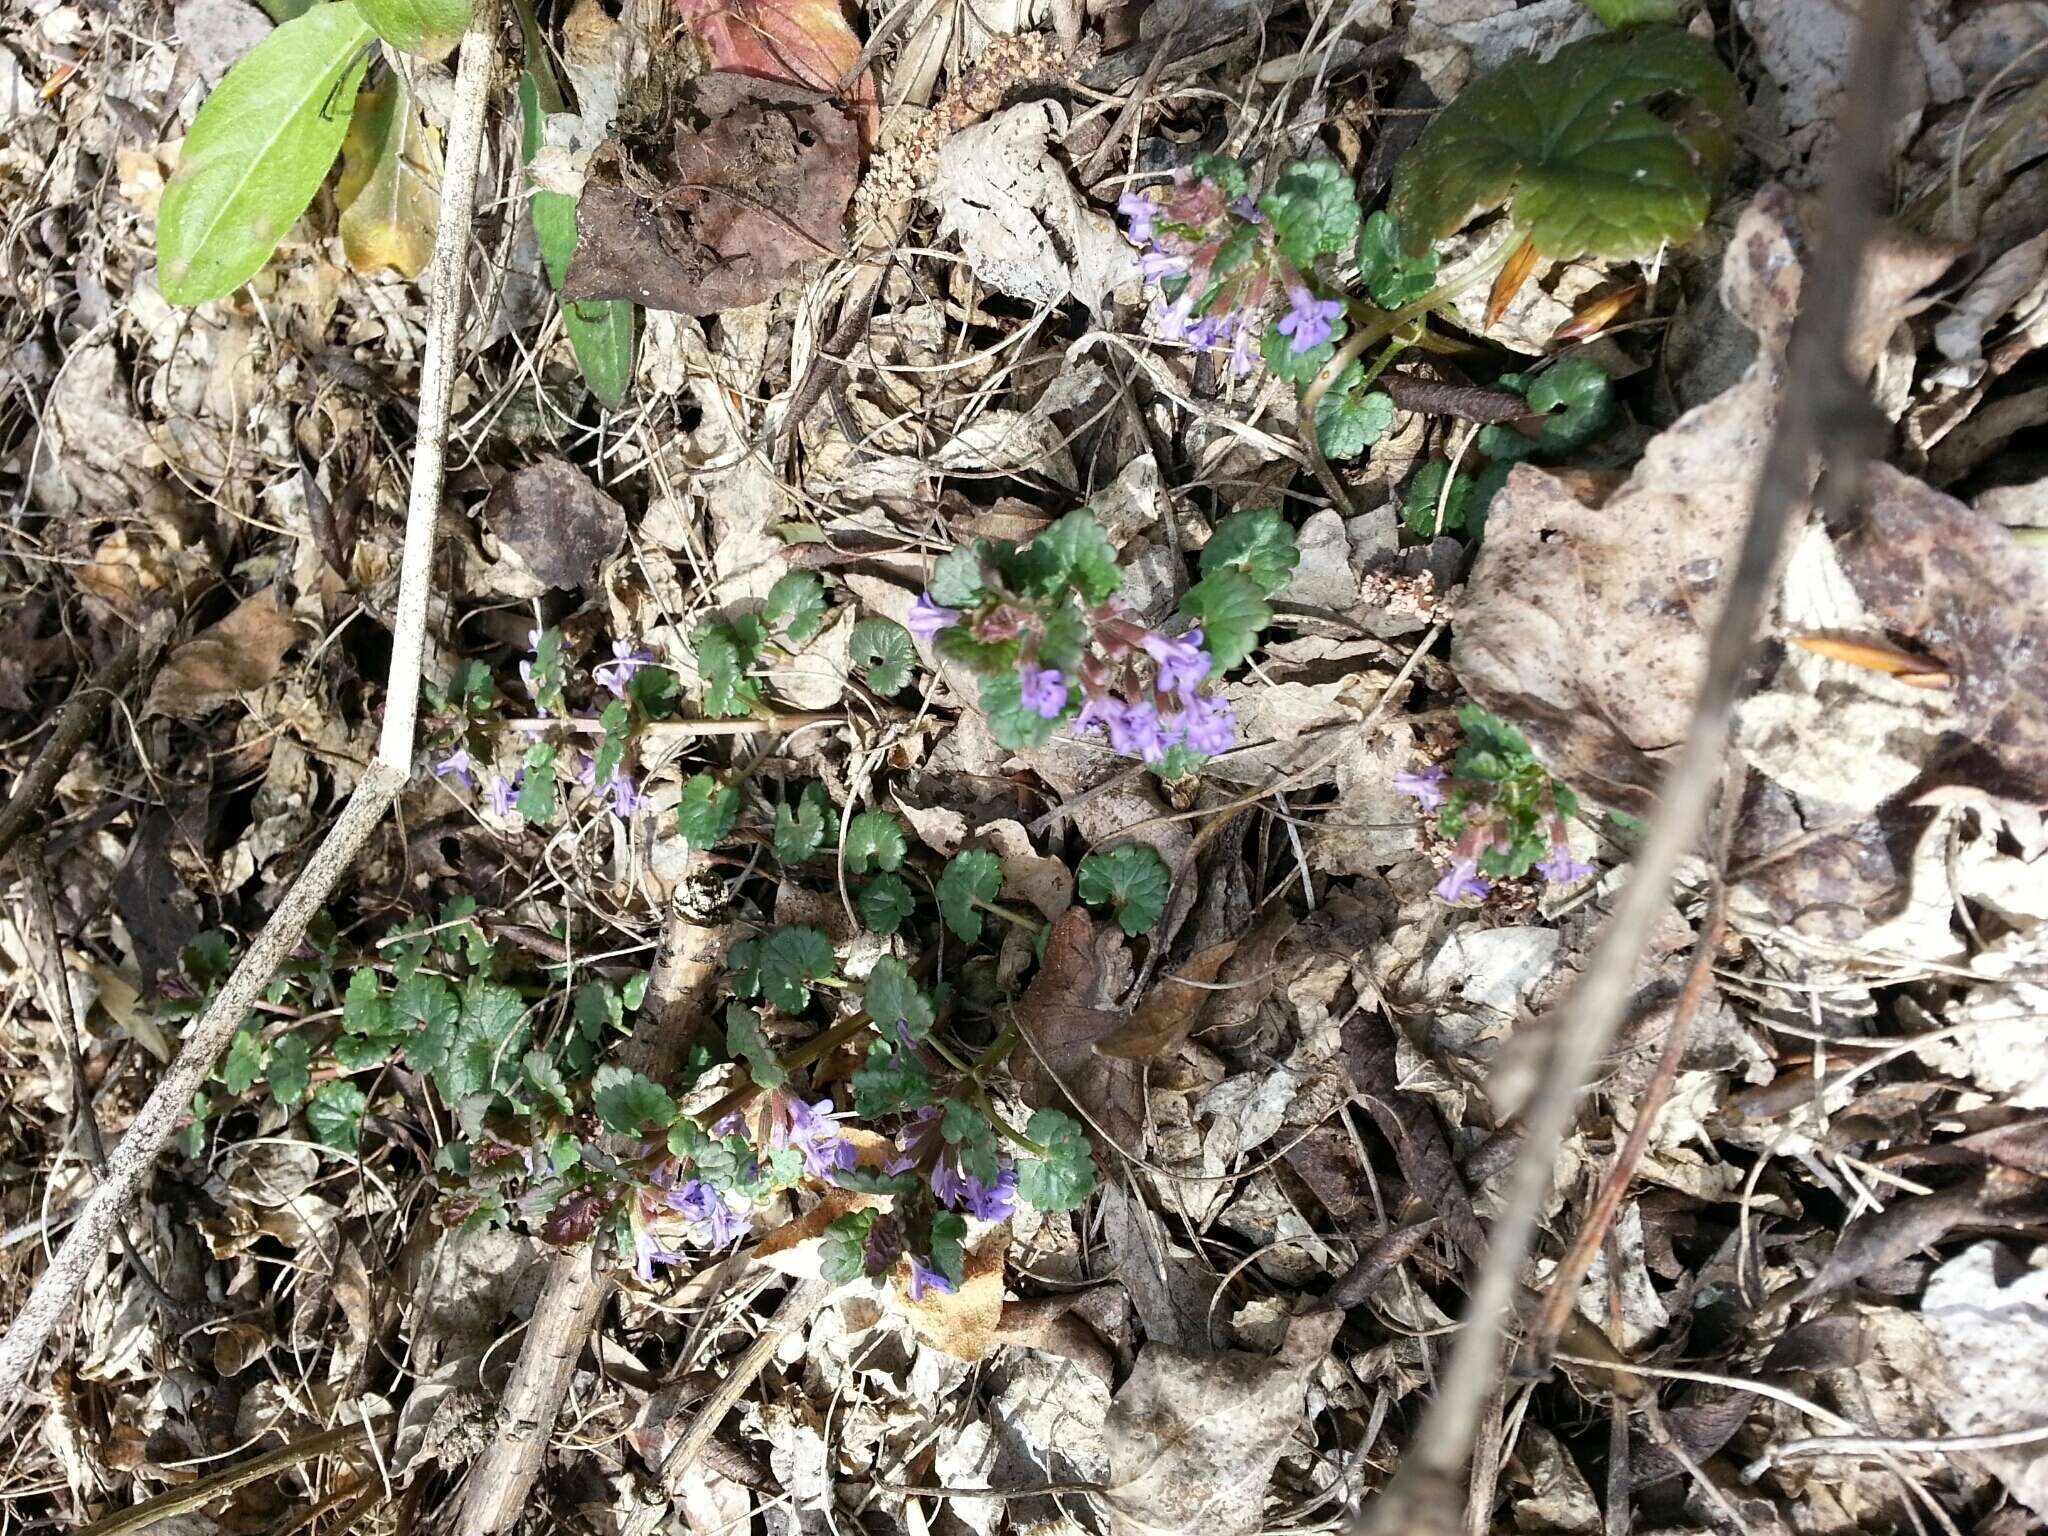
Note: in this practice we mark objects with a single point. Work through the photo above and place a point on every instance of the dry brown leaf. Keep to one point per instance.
(1062, 1019)
(226, 660)
(963, 1323)
(1169, 1014)
(759, 188)
(1044, 882)
(1194, 1436)
(556, 522)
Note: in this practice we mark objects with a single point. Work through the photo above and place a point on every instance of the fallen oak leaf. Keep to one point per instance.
(1169, 1014)
(965, 1321)
(1064, 1026)
(237, 656)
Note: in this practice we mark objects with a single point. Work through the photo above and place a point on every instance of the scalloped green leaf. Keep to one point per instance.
(1258, 542)
(258, 151)
(1131, 880)
(795, 605)
(875, 840)
(881, 648)
(1231, 610)
(1573, 146)
(971, 875)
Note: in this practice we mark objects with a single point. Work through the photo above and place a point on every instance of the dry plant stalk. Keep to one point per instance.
(129, 1164)
(1825, 417)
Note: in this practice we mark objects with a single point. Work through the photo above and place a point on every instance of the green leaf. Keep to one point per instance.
(243, 1063)
(892, 997)
(207, 959)
(1074, 554)
(1232, 611)
(1391, 276)
(365, 1010)
(746, 1041)
(874, 840)
(707, 811)
(1257, 542)
(1576, 150)
(780, 966)
(843, 1257)
(1065, 1176)
(801, 833)
(426, 27)
(1577, 401)
(544, 1077)
(291, 1068)
(971, 875)
(358, 1053)
(956, 576)
(882, 649)
(485, 1043)
(949, 1245)
(973, 1140)
(258, 151)
(617, 721)
(1313, 210)
(1620, 15)
(984, 658)
(1297, 367)
(600, 331)
(1349, 418)
(1493, 749)
(725, 652)
(1132, 881)
(1009, 721)
(795, 605)
(889, 1082)
(424, 1001)
(884, 904)
(335, 1115)
(628, 1103)
(536, 800)
(1228, 175)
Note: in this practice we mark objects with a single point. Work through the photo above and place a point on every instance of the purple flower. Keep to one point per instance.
(458, 764)
(500, 793)
(1042, 690)
(923, 1277)
(1135, 731)
(734, 1124)
(1183, 664)
(1140, 210)
(1241, 352)
(1097, 710)
(1160, 263)
(624, 795)
(913, 1141)
(1170, 321)
(949, 1184)
(814, 1130)
(1211, 330)
(1561, 868)
(713, 1221)
(993, 1202)
(927, 618)
(1308, 319)
(1245, 208)
(1427, 786)
(648, 1252)
(1462, 879)
(616, 673)
(1209, 726)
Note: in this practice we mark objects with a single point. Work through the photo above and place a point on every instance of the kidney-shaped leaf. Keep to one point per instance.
(1576, 148)
(258, 151)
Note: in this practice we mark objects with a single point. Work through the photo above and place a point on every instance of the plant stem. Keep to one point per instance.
(1030, 925)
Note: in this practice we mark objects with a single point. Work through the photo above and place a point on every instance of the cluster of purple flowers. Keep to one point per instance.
(921, 1148)
(713, 1218)
(1430, 786)
(1112, 687)
(1182, 228)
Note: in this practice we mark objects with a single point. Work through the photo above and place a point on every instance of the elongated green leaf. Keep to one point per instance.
(600, 332)
(426, 27)
(257, 153)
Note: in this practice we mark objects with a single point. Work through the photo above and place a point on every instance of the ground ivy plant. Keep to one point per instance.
(1056, 648)
(1501, 812)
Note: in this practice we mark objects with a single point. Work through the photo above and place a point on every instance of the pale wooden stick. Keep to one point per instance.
(129, 1164)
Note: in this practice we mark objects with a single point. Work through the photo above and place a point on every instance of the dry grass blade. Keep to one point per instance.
(1825, 412)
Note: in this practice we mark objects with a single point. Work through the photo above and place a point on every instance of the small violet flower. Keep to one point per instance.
(913, 1141)
(713, 1222)
(615, 674)
(1427, 786)
(992, 1202)
(1241, 352)
(457, 763)
(1140, 211)
(814, 1131)
(648, 1252)
(1208, 726)
(1170, 321)
(1462, 879)
(923, 1278)
(624, 795)
(1042, 690)
(949, 1184)
(1561, 868)
(927, 618)
(1183, 664)
(1156, 265)
(1135, 730)
(501, 794)
(1097, 710)
(1307, 321)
